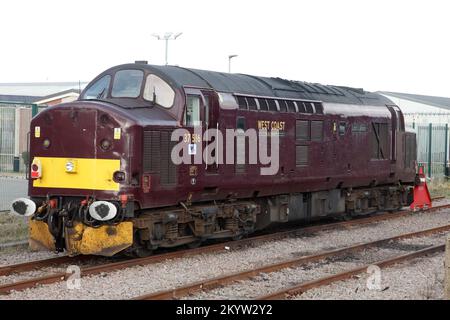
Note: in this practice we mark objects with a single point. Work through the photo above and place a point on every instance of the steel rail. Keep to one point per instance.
(303, 287)
(32, 265)
(209, 284)
(215, 248)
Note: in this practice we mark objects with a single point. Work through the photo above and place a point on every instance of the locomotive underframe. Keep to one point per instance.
(66, 227)
(194, 224)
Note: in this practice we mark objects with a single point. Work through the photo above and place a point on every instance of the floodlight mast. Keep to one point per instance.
(166, 37)
(231, 56)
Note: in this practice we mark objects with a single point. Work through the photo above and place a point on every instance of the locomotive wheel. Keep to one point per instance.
(195, 244)
(238, 237)
(143, 252)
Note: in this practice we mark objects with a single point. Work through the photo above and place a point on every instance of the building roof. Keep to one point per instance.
(39, 89)
(57, 95)
(18, 99)
(258, 86)
(440, 102)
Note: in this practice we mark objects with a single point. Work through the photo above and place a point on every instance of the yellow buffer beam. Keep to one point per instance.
(91, 174)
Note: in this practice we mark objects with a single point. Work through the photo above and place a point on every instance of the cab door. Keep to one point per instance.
(211, 121)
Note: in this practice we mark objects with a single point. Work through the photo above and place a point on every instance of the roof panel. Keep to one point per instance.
(261, 86)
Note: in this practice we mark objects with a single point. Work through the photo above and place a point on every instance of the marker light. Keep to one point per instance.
(36, 169)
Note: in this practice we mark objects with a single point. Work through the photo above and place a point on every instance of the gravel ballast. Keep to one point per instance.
(136, 281)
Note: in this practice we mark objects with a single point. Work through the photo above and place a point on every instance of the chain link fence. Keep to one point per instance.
(15, 121)
(432, 148)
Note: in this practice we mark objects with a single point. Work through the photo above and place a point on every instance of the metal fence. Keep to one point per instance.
(432, 148)
(14, 127)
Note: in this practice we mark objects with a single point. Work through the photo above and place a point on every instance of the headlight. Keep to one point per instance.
(46, 143)
(105, 144)
(102, 210)
(119, 176)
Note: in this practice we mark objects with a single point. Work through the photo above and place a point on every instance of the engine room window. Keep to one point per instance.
(158, 91)
(127, 84)
(272, 105)
(342, 128)
(300, 106)
(309, 107)
(251, 102)
(192, 114)
(291, 106)
(282, 105)
(99, 89)
(263, 104)
(242, 102)
(227, 101)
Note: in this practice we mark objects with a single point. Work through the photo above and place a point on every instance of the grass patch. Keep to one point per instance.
(439, 188)
(12, 228)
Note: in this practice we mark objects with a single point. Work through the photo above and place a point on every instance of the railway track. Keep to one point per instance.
(303, 287)
(215, 248)
(44, 263)
(209, 284)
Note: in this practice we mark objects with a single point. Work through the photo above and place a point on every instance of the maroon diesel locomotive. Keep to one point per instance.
(104, 178)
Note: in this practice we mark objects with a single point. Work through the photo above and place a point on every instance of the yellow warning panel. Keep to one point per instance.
(91, 174)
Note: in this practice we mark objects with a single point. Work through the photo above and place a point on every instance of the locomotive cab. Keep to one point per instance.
(84, 178)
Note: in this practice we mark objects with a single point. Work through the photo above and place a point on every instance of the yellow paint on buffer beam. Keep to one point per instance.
(78, 173)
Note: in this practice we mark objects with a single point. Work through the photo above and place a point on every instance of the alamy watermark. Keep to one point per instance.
(374, 280)
(212, 147)
(73, 281)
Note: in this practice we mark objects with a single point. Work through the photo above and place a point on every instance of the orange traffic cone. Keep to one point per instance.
(422, 199)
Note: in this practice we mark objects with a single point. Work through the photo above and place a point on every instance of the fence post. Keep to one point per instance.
(446, 149)
(447, 269)
(430, 128)
(34, 110)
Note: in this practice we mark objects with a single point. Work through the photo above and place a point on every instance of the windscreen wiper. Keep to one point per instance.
(100, 95)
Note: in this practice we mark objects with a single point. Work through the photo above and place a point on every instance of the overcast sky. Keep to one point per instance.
(378, 45)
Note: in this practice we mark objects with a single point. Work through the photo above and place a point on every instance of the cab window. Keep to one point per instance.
(192, 114)
(127, 84)
(99, 89)
(158, 91)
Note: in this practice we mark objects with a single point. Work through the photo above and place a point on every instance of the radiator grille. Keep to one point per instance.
(301, 156)
(302, 131)
(316, 130)
(157, 159)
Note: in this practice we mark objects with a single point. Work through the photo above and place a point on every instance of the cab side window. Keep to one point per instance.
(192, 114)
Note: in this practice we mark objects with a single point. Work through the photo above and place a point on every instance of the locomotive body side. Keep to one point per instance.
(106, 182)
